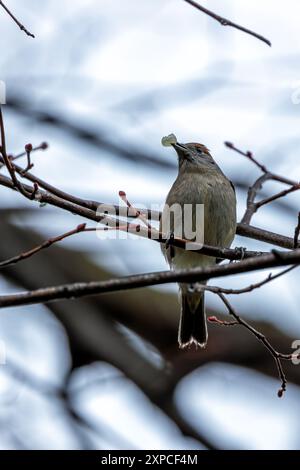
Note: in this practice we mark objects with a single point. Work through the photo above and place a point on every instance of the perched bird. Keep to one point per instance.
(199, 181)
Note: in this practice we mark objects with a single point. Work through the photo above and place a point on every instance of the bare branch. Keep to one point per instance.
(51, 241)
(257, 285)
(135, 212)
(262, 338)
(46, 244)
(81, 289)
(252, 193)
(214, 319)
(16, 183)
(242, 229)
(278, 195)
(273, 176)
(21, 26)
(253, 206)
(93, 205)
(297, 232)
(47, 198)
(225, 22)
(28, 150)
(266, 236)
(42, 146)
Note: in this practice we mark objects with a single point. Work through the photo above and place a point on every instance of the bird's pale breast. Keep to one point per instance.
(217, 195)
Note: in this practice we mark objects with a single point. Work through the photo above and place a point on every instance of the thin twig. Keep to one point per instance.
(253, 190)
(251, 206)
(225, 22)
(35, 191)
(42, 146)
(257, 285)
(8, 164)
(262, 338)
(249, 155)
(297, 232)
(135, 212)
(21, 26)
(278, 195)
(28, 150)
(2, 133)
(214, 319)
(51, 241)
(266, 236)
(44, 245)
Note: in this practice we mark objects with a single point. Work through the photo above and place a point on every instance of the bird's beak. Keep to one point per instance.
(181, 149)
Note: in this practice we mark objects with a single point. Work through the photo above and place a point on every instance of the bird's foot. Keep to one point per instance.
(169, 245)
(195, 287)
(240, 251)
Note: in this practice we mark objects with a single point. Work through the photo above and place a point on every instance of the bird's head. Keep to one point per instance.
(194, 154)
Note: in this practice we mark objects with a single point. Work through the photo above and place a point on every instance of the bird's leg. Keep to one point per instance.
(169, 245)
(240, 250)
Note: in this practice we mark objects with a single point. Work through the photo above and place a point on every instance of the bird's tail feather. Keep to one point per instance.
(192, 326)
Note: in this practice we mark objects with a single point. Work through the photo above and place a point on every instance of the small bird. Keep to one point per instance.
(199, 181)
